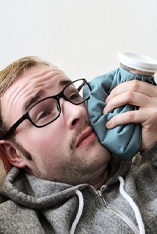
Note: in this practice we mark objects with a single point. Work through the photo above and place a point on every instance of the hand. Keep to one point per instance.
(140, 94)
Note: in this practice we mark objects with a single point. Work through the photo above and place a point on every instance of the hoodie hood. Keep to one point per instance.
(33, 192)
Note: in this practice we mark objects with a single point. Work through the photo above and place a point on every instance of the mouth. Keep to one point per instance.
(85, 138)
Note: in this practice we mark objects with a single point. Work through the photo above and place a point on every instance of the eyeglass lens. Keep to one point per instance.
(48, 109)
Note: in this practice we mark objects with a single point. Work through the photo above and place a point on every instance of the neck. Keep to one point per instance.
(101, 181)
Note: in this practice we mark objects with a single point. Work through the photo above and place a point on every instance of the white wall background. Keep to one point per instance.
(82, 37)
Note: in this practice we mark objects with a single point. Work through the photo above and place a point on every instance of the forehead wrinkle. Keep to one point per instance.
(44, 74)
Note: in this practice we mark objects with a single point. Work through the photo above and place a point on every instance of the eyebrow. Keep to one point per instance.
(33, 100)
(64, 82)
(39, 95)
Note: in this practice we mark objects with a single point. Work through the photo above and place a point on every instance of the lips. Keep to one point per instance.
(85, 138)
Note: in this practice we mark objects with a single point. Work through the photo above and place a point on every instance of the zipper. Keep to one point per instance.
(102, 197)
(118, 213)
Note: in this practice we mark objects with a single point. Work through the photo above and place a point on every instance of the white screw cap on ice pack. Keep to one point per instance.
(138, 61)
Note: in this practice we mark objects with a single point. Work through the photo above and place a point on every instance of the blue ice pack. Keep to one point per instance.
(123, 140)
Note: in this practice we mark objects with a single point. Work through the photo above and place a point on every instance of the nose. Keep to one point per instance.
(73, 114)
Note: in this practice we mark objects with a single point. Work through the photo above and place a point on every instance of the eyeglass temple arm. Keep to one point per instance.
(14, 126)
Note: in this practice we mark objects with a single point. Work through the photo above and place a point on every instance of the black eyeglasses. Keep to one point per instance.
(48, 109)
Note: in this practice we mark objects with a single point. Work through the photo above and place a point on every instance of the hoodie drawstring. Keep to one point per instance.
(124, 194)
(133, 206)
(79, 213)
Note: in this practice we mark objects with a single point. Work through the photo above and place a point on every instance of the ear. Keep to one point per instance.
(13, 155)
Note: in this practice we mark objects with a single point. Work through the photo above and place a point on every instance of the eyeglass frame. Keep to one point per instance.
(57, 98)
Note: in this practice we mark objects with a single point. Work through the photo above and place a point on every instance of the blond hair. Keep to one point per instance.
(9, 74)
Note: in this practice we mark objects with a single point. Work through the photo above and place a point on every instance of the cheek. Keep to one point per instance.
(42, 140)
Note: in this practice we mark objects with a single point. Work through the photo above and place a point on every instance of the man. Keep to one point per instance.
(63, 179)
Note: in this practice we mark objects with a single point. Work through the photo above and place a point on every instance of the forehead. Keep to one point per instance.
(36, 78)
(37, 75)
(46, 80)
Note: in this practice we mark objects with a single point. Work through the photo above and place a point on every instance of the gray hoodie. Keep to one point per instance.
(127, 203)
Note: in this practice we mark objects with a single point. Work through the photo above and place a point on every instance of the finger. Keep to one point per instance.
(128, 97)
(126, 118)
(135, 86)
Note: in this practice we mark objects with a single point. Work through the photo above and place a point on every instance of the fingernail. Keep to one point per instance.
(105, 111)
(108, 124)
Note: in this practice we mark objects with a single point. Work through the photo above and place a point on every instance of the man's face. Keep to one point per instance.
(66, 150)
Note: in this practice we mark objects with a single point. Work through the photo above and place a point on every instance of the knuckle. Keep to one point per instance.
(135, 85)
(130, 116)
(129, 95)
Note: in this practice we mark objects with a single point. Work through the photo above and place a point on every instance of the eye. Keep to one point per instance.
(43, 114)
(74, 96)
